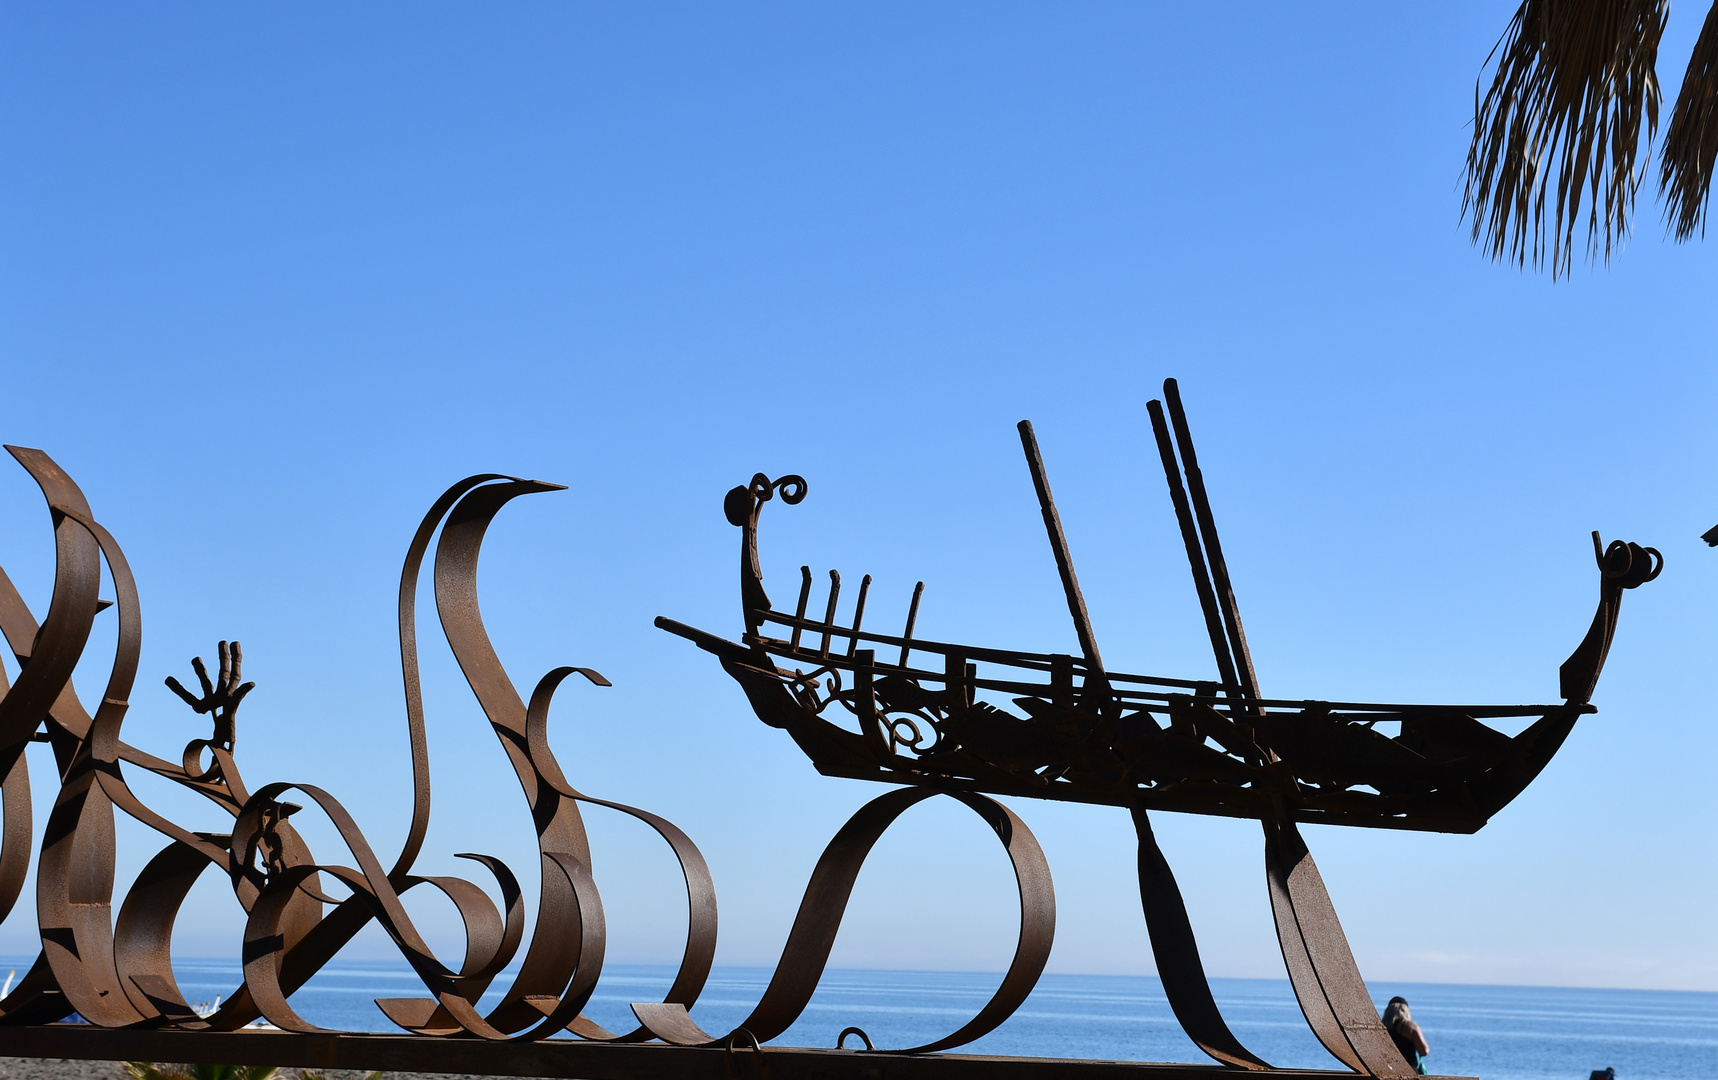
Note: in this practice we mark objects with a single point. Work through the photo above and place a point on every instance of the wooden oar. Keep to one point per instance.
(1195, 557)
(1213, 547)
(1321, 967)
(1095, 676)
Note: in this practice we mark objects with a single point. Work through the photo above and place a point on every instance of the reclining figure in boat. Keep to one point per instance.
(923, 716)
(917, 714)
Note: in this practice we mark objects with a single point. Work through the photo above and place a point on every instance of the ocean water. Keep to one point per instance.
(1493, 1032)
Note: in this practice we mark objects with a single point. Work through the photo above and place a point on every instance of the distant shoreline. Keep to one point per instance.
(1497, 1033)
(396, 966)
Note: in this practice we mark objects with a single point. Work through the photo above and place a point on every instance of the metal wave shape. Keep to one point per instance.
(115, 971)
(1089, 734)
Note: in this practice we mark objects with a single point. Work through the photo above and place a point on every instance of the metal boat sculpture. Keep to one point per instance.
(930, 727)
(936, 715)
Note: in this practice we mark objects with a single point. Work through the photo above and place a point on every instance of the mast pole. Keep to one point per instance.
(1213, 547)
(1064, 562)
(1195, 557)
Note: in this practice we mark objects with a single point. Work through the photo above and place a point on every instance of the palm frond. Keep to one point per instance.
(1574, 80)
(1691, 140)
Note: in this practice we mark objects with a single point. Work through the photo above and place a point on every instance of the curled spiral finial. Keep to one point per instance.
(742, 502)
(1627, 563)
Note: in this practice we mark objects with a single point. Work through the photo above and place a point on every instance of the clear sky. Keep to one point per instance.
(274, 276)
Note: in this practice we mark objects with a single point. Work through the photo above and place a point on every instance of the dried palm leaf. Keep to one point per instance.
(1574, 79)
(1691, 140)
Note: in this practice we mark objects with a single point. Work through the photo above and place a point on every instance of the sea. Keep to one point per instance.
(1492, 1032)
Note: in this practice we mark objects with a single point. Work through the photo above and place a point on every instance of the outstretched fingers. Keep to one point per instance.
(203, 675)
(174, 685)
(222, 695)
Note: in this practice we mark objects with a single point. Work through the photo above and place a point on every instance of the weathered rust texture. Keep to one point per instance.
(926, 720)
(963, 718)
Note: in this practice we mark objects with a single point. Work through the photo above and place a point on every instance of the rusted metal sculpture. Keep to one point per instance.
(928, 717)
(1088, 735)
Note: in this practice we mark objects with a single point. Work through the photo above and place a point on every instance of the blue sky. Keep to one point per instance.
(274, 277)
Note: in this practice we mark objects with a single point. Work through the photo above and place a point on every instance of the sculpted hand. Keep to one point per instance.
(222, 697)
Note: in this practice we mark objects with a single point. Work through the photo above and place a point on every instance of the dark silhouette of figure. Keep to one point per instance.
(1406, 1034)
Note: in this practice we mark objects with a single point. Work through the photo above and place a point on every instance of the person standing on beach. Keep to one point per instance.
(1406, 1034)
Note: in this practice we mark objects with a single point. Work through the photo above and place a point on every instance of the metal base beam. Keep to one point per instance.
(569, 1058)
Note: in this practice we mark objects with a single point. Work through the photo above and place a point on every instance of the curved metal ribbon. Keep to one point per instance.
(331, 933)
(47, 655)
(1176, 952)
(83, 966)
(700, 951)
(1326, 980)
(489, 944)
(408, 624)
(118, 971)
(553, 956)
(564, 961)
(487, 936)
(59, 643)
(819, 918)
(74, 876)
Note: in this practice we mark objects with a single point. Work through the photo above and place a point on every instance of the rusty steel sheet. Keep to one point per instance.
(576, 1058)
(114, 970)
(963, 718)
(111, 971)
(917, 714)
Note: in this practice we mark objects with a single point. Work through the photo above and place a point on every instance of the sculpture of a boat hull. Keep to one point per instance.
(1050, 726)
(965, 719)
(1445, 772)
